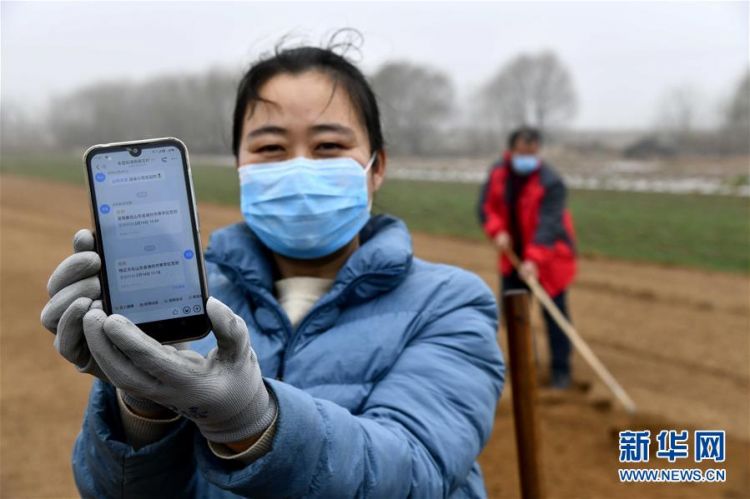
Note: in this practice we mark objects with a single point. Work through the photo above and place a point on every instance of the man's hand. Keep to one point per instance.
(223, 393)
(529, 270)
(502, 241)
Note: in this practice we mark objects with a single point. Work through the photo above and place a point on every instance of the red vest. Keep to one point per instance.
(544, 223)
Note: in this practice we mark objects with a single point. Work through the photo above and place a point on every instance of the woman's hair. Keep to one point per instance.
(298, 60)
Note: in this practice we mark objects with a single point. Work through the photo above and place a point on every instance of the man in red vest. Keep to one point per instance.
(522, 208)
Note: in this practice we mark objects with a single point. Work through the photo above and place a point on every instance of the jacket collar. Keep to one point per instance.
(380, 263)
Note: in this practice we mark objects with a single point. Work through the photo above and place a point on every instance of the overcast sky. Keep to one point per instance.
(623, 56)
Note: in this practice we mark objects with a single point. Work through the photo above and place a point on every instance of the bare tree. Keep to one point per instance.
(737, 118)
(415, 101)
(20, 130)
(531, 89)
(196, 108)
(677, 113)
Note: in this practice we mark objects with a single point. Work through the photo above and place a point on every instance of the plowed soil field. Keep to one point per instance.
(677, 339)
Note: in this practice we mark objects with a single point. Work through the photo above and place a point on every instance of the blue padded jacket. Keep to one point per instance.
(387, 388)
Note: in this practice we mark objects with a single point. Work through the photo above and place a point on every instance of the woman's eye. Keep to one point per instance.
(329, 146)
(269, 148)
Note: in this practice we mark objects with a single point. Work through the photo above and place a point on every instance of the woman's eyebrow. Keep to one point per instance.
(268, 129)
(332, 127)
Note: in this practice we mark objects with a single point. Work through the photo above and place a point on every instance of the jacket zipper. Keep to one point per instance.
(293, 334)
(280, 371)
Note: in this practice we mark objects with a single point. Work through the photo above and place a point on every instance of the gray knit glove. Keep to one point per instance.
(74, 289)
(222, 393)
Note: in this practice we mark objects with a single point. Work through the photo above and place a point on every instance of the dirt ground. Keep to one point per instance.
(678, 340)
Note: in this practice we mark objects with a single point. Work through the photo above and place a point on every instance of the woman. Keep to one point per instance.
(351, 368)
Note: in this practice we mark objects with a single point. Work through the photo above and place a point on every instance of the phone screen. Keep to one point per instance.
(143, 206)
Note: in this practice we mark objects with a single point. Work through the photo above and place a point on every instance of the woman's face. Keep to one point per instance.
(306, 117)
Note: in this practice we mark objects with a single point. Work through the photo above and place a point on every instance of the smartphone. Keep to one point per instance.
(148, 237)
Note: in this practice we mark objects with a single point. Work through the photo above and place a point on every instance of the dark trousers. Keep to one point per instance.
(559, 343)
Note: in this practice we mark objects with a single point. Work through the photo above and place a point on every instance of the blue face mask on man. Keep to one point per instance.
(524, 164)
(305, 208)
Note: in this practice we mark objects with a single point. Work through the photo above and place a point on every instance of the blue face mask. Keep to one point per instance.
(524, 164)
(305, 208)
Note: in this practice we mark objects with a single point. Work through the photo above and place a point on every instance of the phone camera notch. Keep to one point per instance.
(134, 151)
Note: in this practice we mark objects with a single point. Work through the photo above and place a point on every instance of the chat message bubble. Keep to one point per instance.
(150, 219)
(150, 271)
(128, 178)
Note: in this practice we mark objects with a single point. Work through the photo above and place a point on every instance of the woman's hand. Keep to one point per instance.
(74, 289)
(222, 393)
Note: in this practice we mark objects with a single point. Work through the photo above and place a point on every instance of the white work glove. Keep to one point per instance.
(74, 289)
(223, 393)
